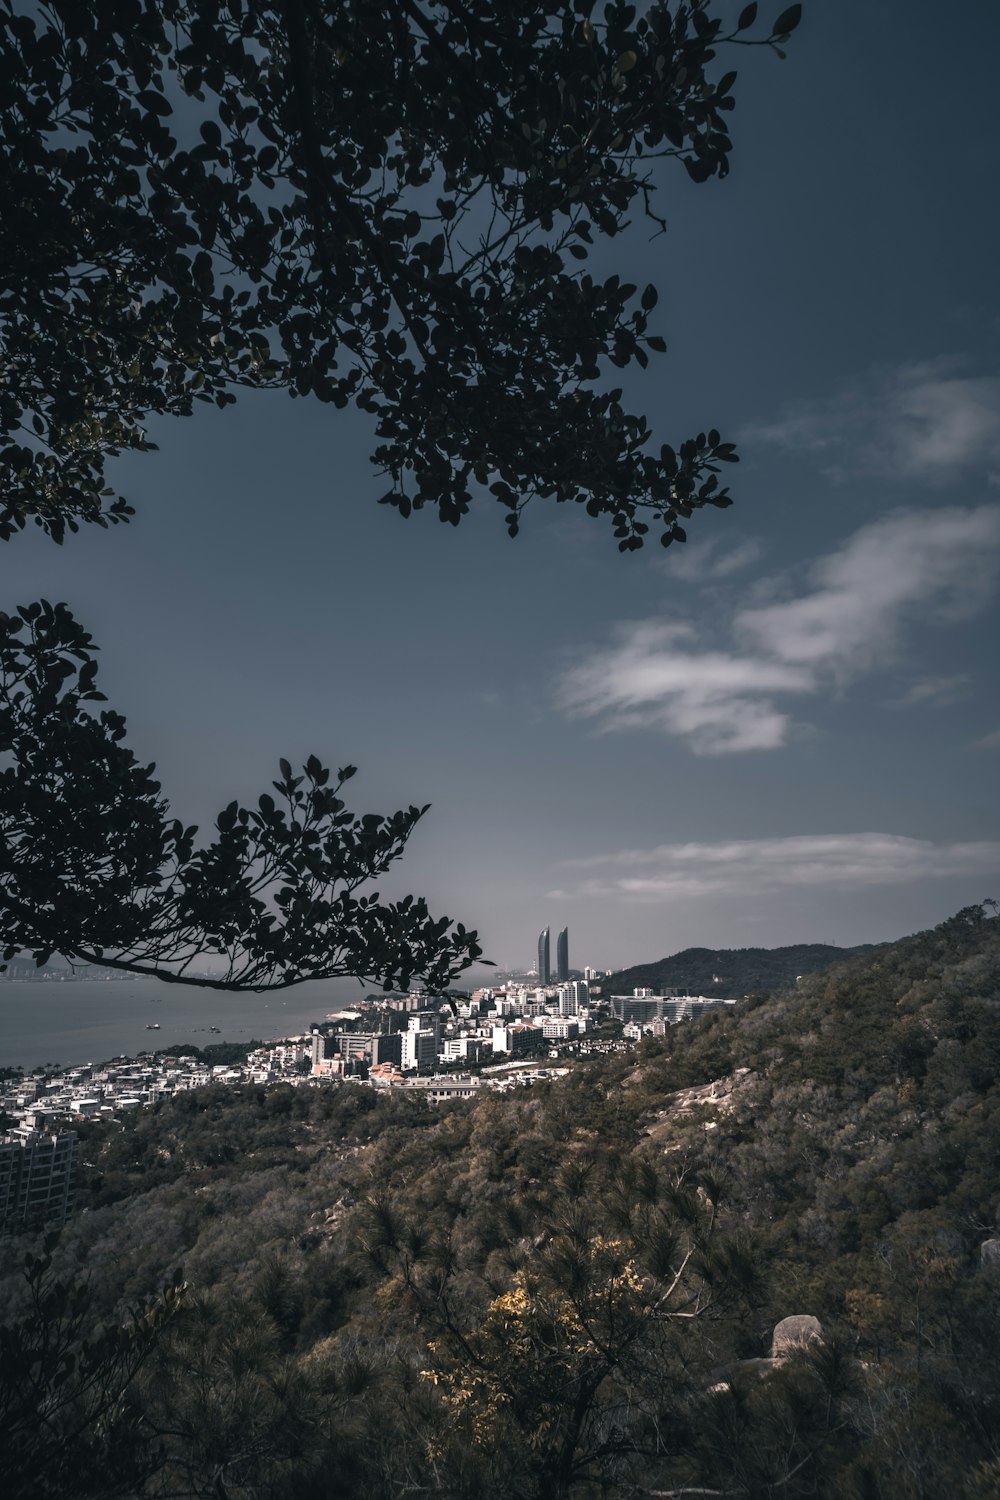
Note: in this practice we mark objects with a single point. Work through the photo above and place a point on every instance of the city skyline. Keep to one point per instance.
(543, 960)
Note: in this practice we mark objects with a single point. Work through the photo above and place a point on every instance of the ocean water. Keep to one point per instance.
(88, 1022)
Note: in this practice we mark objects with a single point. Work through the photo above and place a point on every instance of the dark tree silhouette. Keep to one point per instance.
(389, 203)
(92, 867)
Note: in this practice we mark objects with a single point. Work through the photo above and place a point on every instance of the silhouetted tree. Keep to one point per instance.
(382, 202)
(91, 865)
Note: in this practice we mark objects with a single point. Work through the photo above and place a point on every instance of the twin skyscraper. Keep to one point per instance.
(545, 961)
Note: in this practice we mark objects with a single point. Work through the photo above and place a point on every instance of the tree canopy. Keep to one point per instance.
(92, 866)
(389, 203)
(384, 203)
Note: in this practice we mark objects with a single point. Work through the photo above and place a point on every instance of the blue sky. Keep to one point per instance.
(787, 730)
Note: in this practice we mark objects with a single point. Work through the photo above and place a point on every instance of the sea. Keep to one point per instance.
(69, 1022)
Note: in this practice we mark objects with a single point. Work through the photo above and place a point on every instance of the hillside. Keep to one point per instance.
(730, 971)
(566, 1291)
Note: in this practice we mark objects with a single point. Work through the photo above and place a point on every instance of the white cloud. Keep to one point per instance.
(672, 871)
(939, 691)
(707, 559)
(989, 741)
(847, 619)
(861, 595)
(922, 422)
(720, 702)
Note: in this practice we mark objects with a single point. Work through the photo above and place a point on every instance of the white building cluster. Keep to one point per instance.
(501, 1027)
(38, 1152)
(644, 1012)
(103, 1092)
(510, 1022)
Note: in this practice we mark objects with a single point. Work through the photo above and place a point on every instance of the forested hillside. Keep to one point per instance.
(730, 971)
(569, 1290)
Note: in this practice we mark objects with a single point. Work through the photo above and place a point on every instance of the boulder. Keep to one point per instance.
(989, 1253)
(793, 1333)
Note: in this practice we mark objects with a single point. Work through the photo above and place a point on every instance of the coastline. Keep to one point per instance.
(79, 1022)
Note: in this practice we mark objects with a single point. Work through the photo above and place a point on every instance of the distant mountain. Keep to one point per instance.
(729, 972)
(58, 972)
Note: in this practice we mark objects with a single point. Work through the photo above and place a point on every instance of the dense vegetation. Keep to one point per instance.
(215, 1055)
(568, 1290)
(729, 971)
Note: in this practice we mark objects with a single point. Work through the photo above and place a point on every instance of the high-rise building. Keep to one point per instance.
(36, 1177)
(544, 961)
(326, 1060)
(573, 997)
(426, 1020)
(419, 1049)
(562, 956)
(387, 1047)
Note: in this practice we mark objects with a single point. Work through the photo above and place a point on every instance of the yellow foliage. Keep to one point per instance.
(533, 1343)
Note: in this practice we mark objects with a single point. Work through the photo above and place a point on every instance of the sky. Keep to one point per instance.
(786, 730)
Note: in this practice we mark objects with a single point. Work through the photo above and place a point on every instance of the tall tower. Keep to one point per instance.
(562, 956)
(544, 962)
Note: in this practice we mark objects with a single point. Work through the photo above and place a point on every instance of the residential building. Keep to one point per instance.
(517, 1039)
(387, 1047)
(419, 1049)
(426, 1020)
(324, 1050)
(36, 1176)
(560, 1029)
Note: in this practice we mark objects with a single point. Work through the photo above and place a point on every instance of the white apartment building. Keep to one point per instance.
(420, 1049)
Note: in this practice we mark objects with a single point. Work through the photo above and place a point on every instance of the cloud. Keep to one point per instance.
(672, 871)
(861, 595)
(653, 677)
(707, 559)
(936, 691)
(919, 422)
(988, 741)
(847, 619)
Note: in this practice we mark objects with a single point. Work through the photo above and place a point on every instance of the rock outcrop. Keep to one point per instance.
(794, 1333)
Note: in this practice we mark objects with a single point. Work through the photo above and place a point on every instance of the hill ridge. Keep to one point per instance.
(734, 971)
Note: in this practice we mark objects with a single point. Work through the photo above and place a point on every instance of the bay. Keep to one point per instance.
(83, 1021)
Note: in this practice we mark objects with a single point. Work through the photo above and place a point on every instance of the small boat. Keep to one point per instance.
(152, 1025)
(216, 1028)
